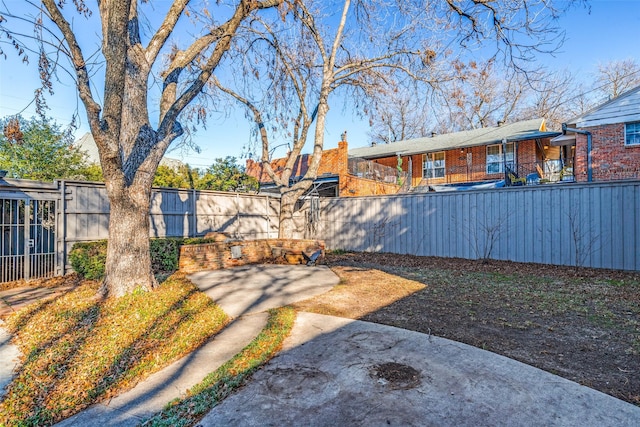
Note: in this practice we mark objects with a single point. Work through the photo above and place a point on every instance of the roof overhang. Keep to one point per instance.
(322, 185)
(562, 140)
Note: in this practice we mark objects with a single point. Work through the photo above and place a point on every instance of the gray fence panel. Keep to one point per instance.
(594, 225)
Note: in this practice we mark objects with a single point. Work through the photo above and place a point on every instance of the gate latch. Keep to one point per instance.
(31, 243)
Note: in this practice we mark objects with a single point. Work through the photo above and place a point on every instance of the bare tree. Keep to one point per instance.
(479, 95)
(583, 239)
(401, 114)
(616, 77)
(554, 96)
(130, 143)
(484, 234)
(308, 57)
(294, 63)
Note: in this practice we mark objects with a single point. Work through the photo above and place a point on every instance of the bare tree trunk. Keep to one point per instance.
(288, 201)
(128, 264)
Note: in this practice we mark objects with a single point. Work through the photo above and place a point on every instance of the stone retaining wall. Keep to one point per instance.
(219, 255)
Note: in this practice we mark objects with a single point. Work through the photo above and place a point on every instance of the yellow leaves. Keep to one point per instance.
(79, 350)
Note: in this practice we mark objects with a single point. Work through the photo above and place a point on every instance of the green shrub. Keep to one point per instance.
(88, 258)
(164, 254)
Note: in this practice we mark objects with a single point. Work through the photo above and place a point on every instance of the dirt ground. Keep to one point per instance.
(581, 324)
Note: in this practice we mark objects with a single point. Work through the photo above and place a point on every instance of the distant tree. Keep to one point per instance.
(479, 94)
(93, 172)
(226, 175)
(38, 149)
(400, 115)
(223, 175)
(183, 177)
(613, 78)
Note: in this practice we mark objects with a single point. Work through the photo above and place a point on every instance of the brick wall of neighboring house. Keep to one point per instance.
(335, 161)
(527, 157)
(352, 186)
(457, 168)
(391, 162)
(414, 162)
(216, 256)
(610, 158)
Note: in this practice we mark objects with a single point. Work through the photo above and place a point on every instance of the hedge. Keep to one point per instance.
(88, 258)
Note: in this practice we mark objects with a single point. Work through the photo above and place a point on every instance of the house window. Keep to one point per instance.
(495, 160)
(433, 165)
(632, 133)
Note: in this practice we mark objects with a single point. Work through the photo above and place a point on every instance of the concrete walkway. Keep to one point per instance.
(255, 288)
(9, 358)
(335, 371)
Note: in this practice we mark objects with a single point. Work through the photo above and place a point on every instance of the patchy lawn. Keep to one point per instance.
(581, 324)
(78, 350)
(227, 378)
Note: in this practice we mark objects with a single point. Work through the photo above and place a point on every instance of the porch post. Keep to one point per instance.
(504, 161)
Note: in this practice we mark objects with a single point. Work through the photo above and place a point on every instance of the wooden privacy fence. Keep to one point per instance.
(591, 225)
(79, 211)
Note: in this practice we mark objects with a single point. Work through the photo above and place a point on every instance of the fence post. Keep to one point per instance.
(194, 229)
(267, 216)
(27, 239)
(61, 230)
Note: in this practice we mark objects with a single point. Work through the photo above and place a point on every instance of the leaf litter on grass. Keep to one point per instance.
(78, 349)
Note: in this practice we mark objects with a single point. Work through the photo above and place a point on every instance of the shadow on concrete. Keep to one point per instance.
(256, 288)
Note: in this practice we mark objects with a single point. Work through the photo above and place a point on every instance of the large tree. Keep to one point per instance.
(294, 64)
(137, 53)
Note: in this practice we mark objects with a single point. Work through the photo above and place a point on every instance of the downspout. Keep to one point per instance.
(566, 129)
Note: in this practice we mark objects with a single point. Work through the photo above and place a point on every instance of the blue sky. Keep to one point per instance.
(610, 32)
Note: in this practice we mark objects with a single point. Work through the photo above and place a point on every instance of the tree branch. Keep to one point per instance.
(79, 63)
(161, 36)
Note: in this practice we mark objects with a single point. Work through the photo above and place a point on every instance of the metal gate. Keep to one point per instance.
(27, 242)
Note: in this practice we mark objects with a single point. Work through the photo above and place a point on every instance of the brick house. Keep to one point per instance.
(517, 150)
(337, 175)
(607, 139)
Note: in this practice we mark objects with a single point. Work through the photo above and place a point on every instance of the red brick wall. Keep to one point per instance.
(352, 186)
(611, 159)
(335, 161)
(456, 163)
(416, 161)
(216, 256)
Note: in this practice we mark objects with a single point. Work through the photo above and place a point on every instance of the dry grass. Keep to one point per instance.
(78, 350)
(360, 291)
